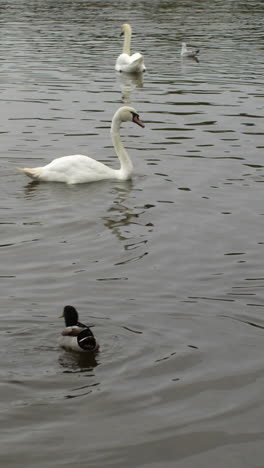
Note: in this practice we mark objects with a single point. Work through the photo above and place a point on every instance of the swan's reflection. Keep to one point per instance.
(119, 215)
(127, 82)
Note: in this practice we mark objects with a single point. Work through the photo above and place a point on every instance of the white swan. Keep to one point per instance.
(78, 169)
(126, 62)
(187, 51)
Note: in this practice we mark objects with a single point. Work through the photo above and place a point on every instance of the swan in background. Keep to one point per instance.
(76, 336)
(187, 51)
(79, 169)
(126, 62)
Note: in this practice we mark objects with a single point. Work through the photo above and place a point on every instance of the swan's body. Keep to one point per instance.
(76, 336)
(78, 169)
(187, 51)
(126, 62)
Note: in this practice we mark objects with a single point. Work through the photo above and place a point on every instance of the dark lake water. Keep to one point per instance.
(168, 266)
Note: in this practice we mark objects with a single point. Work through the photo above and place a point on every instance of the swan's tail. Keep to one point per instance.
(33, 172)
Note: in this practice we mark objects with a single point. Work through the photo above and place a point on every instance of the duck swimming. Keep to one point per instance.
(76, 336)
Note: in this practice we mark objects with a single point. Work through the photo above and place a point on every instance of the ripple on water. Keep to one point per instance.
(168, 267)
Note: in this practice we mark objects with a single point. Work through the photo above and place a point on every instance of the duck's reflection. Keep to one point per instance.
(127, 82)
(80, 363)
(73, 362)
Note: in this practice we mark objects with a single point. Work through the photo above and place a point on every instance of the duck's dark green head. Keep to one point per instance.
(70, 315)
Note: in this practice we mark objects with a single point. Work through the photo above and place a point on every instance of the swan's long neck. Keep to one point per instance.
(127, 40)
(126, 166)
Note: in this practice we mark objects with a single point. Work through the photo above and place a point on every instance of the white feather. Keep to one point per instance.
(78, 169)
(126, 62)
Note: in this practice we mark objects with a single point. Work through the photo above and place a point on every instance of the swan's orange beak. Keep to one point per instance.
(137, 120)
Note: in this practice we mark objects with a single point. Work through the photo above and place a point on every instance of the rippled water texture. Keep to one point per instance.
(168, 267)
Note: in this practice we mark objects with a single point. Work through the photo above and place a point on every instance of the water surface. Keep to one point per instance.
(168, 266)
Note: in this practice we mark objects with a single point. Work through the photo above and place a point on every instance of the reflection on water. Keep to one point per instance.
(128, 82)
(30, 188)
(119, 215)
(78, 362)
(82, 364)
(189, 59)
(168, 266)
(122, 220)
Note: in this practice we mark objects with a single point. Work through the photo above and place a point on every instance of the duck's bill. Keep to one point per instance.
(60, 316)
(137, 120)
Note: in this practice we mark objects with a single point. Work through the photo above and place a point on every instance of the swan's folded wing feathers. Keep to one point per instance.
(130, 63)
(74, 168)
(136, 56)
(122, 61)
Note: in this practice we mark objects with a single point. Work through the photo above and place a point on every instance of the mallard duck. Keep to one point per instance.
(126, 62)
(76, 336)
(188, 51)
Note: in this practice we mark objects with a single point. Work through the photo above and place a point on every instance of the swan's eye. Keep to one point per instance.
(136, 119)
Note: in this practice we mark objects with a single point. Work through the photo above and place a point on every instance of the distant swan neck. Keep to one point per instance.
(127, 40)
(126, 166)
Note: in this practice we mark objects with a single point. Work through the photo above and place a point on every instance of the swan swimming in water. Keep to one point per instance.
(79, 169)
(187, 51)
(126, 62)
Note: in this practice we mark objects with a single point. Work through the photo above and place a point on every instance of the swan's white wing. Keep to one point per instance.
(75, 169)
(130, 63)
(135, 57)
(122, 61)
